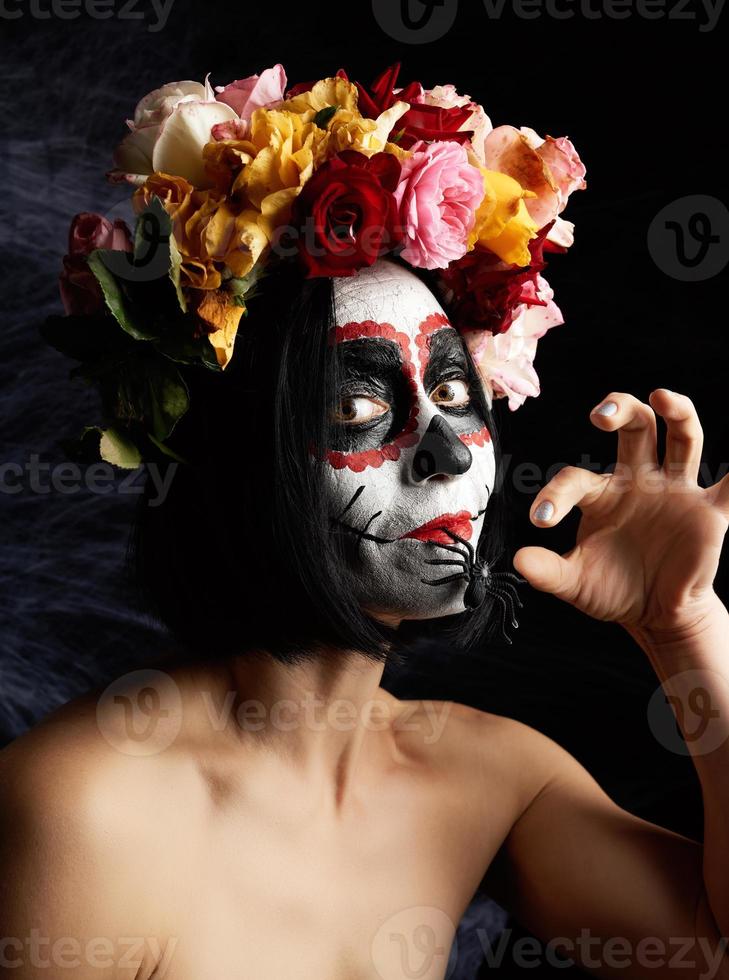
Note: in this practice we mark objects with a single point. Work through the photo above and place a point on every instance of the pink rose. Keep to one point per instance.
(89, 231)
(257, 92)
(80, 291)
(506, 360)
(437, 198)
(565, 166)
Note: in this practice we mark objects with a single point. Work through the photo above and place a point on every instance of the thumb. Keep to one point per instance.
(721, 495)
(547, 571)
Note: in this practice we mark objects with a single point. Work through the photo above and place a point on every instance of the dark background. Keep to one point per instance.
(642, 101)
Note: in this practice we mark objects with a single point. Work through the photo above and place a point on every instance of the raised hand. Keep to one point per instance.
(650, 538)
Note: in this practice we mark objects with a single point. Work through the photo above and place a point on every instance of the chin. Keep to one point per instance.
(447, 601)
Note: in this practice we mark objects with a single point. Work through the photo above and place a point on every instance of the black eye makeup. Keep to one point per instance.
(372, 403)
(448, 381)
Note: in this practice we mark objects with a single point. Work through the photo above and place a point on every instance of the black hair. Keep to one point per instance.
(239, 554)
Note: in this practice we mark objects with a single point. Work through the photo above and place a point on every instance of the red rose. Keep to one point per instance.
(485, 293)
(421, 121)
(346, 213)
(80, 291)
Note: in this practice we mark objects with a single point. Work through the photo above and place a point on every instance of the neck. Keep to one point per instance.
(315, 715)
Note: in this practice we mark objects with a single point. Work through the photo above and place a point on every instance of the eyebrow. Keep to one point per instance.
(446, 351)
(369, 357)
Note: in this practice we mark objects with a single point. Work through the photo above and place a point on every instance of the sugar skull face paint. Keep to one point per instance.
(412, 464)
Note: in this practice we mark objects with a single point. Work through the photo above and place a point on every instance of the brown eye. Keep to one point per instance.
(356, 409)
(453, 393)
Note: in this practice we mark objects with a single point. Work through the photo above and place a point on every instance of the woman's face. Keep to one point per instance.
(411, 463)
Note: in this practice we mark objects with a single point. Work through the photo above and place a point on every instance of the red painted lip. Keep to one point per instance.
(459, 523)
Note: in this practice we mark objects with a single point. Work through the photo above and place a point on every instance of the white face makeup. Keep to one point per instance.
(413, 463)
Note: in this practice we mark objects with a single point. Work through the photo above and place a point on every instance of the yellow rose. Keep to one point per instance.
(347, 128)
(190, 210)
(327, 92)
(268, 169)
(209, 230)
(503, 223)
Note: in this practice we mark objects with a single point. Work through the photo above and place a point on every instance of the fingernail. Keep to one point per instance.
(607, 408)
(544, 511)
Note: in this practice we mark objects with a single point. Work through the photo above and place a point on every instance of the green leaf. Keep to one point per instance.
(397, 137)
(166, 398)
(113, 295)
(152, 234)
(324, 116)
(186, 349)
(116, 447)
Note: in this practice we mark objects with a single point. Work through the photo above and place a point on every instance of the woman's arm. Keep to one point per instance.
(692, 664)
(76, 900)
(618, 895)
(646, 556)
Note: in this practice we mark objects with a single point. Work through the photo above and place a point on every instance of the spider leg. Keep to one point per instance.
(452, 547)
(511, 575)
(509, 590)
(467, 544)
(442, 581)
(503, 616)
(504, 599)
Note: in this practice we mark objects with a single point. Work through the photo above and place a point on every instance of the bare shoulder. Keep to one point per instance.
(485, 750)
(80, 819)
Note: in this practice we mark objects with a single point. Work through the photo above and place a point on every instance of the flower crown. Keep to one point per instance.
(232, 180)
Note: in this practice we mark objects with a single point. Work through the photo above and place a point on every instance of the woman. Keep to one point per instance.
(277, 812)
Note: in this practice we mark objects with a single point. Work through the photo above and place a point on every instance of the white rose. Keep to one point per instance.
(170, 127)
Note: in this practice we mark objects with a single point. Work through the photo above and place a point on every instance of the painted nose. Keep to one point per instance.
(440, 452)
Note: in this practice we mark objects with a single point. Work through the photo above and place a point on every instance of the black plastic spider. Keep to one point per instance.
(481, 580)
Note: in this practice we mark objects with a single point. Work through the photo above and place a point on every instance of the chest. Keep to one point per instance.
(380, 901)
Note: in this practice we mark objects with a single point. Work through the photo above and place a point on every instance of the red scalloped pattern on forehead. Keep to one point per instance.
(436, 321)
(407, 436)
(357, 462)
